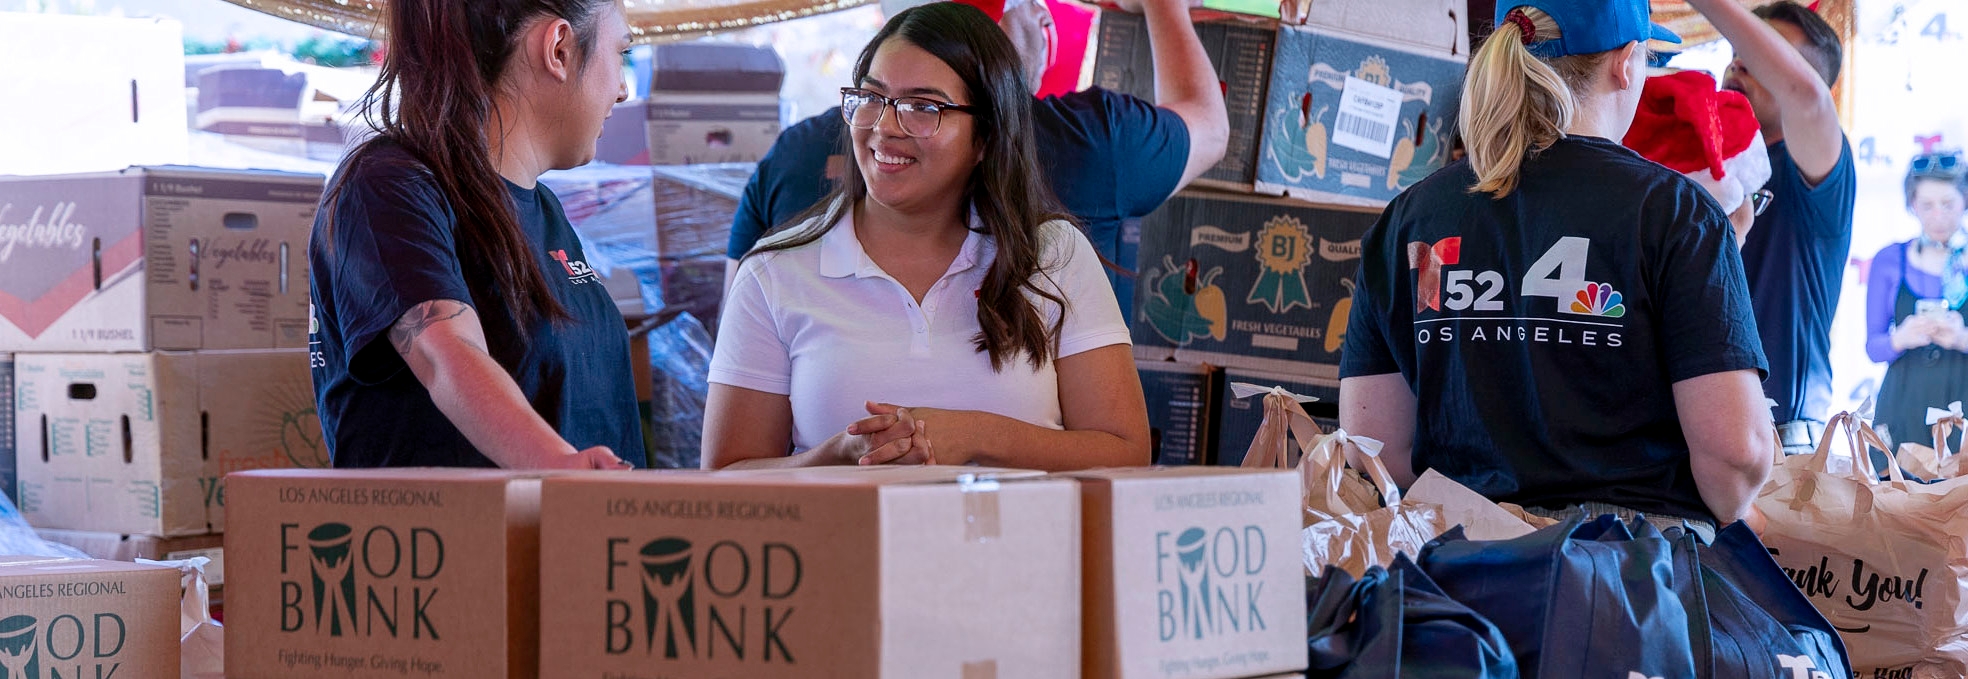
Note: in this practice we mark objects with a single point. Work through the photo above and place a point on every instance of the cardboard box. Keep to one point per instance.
(84, 618)
(1241, 417)
(1351, 120)
(141, 443)
(9, 481)
(1240, 49)
(886, 574)
(104, 93)
(708, 103)
(119, 547)
(694, 206)
(154, 259)
(1435, 26)
(1192, 572)
(1181, 398)
(383, 573)
(1246, 282)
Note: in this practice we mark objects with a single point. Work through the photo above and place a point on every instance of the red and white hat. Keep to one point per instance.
(1710, 135)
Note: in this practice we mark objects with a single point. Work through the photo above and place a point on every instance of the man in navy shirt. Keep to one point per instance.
(1108, 156)
(1787, 58)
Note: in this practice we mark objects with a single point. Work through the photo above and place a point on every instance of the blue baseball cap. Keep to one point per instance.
(1590, 26)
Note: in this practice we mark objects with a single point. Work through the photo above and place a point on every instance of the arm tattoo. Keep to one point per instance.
(404, 334)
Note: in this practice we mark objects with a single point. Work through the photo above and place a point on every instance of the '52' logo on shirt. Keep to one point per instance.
(577, 271)
(1559, 274)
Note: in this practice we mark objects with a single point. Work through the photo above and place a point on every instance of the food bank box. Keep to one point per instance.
(1191, 572)
(1181, 399)
(85, 618)
(1350, 120)
(141, 443)
(1241, 417)
(1246, 282)
(383, 573)
(924, 573)
(155, 258)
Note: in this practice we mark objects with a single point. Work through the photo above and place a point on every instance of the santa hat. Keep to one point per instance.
(1711, 136)
(1072, 24)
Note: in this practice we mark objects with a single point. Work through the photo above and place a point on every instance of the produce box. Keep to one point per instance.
(140, 443)
(383, 573)
(1354, 121)
(1191, 572)
(155, 259)
(931, 573)
(1181, 410)
(83, 618)
(1247, 282)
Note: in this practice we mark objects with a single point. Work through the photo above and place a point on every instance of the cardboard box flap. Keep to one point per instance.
(1174, 473)
(696, 67)
(195, 172)
(882, 475)
(39, 566)
(392, 474)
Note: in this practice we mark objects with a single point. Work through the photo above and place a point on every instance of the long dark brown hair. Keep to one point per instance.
(434, 99)
(1006, 189)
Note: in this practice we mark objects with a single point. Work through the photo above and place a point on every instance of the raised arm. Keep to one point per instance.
(444, 345)
(1808, 119)
(1185, 81)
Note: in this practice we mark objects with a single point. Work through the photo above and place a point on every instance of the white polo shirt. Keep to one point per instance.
(825, 326)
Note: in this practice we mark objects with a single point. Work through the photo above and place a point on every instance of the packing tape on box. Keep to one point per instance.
(983, 669)
(980, 495)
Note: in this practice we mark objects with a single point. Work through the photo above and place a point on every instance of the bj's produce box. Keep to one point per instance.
(931, 573)
(84, 618)
(383, 573)
(1181, 403)
(1351, 120)
(141, 443)
(1242, 417)
(1246, 282)
(1191, 572)
(155, 258)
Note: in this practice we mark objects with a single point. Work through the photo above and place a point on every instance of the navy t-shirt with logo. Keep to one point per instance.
(1795, 259)
(1542, 333)
(392, 247)
(1108, 156)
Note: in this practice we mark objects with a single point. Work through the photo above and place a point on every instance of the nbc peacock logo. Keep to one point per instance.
(1598, 299)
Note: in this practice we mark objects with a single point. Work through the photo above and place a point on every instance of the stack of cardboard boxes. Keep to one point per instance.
(157, 323)
(957, 573)
(1247, 275)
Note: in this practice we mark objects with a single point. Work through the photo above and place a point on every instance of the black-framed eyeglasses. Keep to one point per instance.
(1760, 201)
(918, 117)
(1936, 163)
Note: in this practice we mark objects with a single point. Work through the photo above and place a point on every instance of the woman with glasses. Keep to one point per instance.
(938, 308)
(1914, 294)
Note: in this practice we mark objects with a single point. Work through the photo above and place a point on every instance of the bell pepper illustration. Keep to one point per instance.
(1183, 306)
(1336, 325)
(1315, 134)
(300, 439)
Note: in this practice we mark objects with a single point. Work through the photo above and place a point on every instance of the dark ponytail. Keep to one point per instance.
(434, 99)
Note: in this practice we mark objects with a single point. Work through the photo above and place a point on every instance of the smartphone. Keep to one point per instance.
(1931, 308)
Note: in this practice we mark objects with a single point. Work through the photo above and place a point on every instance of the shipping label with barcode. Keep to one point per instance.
(1368, 114)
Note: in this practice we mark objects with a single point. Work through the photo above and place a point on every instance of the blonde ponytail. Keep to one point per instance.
(1513, 105)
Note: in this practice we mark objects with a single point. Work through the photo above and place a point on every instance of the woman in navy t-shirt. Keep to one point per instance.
(502, 348)
(1558, 322)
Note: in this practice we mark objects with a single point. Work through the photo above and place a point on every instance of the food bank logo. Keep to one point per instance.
(67, 646)
(1207, 584)
(380, 583)
(672, 599)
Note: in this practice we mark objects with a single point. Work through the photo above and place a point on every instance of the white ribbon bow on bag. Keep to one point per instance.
(1936, 415)
(1244, 390)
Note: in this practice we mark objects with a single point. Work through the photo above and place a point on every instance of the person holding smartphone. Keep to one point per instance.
(1914, 294)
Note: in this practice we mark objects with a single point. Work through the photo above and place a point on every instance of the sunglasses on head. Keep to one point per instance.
(1936, 163)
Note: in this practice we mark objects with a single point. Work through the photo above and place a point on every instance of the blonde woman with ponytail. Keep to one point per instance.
(1556, 321)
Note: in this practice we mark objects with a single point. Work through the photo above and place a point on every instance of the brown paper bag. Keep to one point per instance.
(1885, 561)
(1356, 541)
(1936, 462)
(1321, 460)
